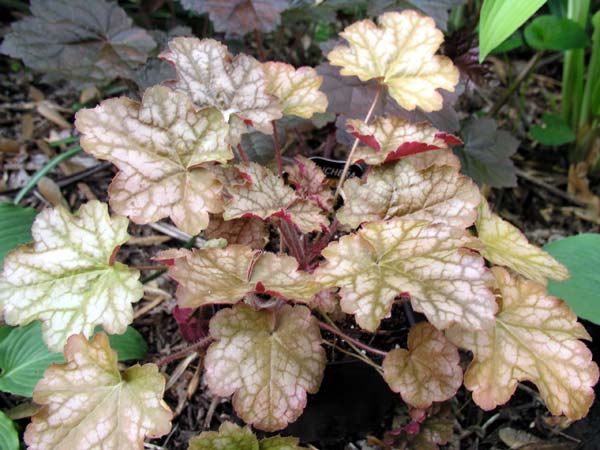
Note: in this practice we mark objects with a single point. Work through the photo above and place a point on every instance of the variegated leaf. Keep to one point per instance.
(310, 182)
(86, 403)
(161, 147)
(536, 338)
(429, 371)
(400, 52)
(446, 282)
(67, 277)
(252, 232)
(438, 194)
(268, 360)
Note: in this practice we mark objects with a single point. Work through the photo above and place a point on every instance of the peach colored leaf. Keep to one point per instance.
(505, 245)
(235, 86)
(310, 182)
(265, 195)
(160, 147)
(446, 282)
(400, 52)
(88, 404)
(296, 89)
(440, 157)
(268, 360)
(429, 371)
(390, 138)
(437, 194)
(536, 338)
(250, 231)
(67, 278)
(226, 275)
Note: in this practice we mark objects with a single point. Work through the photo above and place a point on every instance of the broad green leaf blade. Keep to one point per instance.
(501, 18)
(67, 277)
(129, 345)
(229, 437)
(555, 33)
(269, 360)
(555, 131)
(9, 438)
(87, 403)
(581, 255)
(15, 227)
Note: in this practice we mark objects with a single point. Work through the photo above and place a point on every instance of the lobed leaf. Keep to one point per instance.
(67, 278)
(87, 403)
(536, 338)
(436, 9)
(161, 147)
(296, 89)
(249, 231)
(268, 360)
(505, 245)
(429, 371)
(384, 259)
(235, 86)
(401, 53)
(391, 138)
(438, 194)
(310, 182)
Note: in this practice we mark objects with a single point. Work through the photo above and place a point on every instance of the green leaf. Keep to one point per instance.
(129, 345)
(554, 33)
(581, 255)
(514, 41)
(15, 226)
(554, 131)
(501, 18)
(9, 439)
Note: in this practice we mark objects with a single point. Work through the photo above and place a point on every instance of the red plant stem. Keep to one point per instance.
(356, 342)
(290, 237)
(277, 150)
(180, 354)
(242, 154)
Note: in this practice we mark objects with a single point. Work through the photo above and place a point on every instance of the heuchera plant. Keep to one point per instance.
(280, 257)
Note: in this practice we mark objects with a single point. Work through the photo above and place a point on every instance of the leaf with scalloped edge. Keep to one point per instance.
(384, 259)
(536, 338)
(265, 195)
(401, 53)
(442, 157)
(267, 359)
(296, 89)
(87, 403)
(226, 275)
(249, 231)
(390, 138)
(439, 194)
(505, 245)
(429, 371)
(67, 277)
(161, 147)
(310, 182)
(236, 86)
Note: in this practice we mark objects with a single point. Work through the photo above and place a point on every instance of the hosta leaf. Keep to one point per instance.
(251, 232)
(437, 194)
(310, 182)
(536, 338)
(268, 360)
(429, 371)
(226, 275)
(9, 438)
(87, 403)
(505, 245)
(390, 138)
(401, 52)
(236, 86)
(296, 89)
(159, 146)
(67, 278)
(15, 227)
(446, 282)
(265, 195)
(86, 42)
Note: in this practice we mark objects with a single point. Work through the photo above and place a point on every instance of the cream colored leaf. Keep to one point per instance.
(160, 147)
(310, 182)
(446, 282)
(87, 404)
(505, 245)
(229, 437)
(66, 278)
(429, 371)
(235, 86)
(437, 194)
(400, 53)
(296, 89)
(226, 275)
(252, 232)
(440, 157)
(265, 195)
(536, 338)
(390, 138)
(268, 360)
